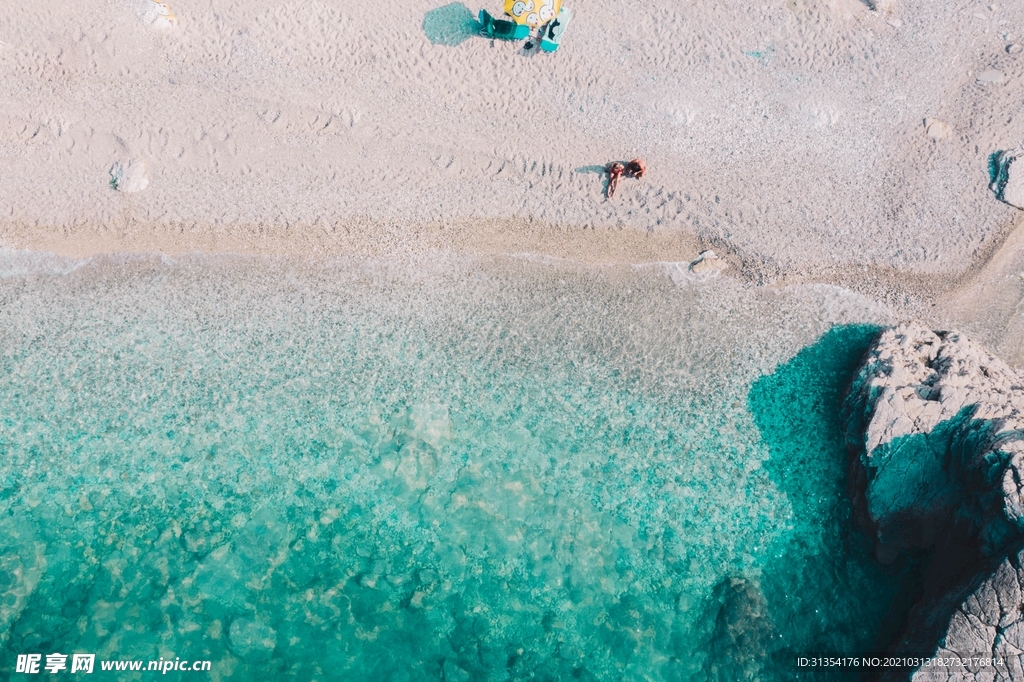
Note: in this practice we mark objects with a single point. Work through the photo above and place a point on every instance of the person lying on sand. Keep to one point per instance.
(615, 171)
(634, 169)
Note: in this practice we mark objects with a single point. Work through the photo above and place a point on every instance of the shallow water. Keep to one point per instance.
(467, 470)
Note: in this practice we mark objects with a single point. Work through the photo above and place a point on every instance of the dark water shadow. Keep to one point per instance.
(450, 25)
(825, 591)
(796, 409)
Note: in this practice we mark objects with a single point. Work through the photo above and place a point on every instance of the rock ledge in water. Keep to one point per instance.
(935, 426)
(988, 623)
(938, 425)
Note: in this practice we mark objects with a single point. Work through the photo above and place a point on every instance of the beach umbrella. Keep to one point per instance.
(532, 13)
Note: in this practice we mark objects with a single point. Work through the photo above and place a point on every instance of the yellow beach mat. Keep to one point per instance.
(532, 12)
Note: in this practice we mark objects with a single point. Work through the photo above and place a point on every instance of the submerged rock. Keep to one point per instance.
(744, 633)
(22, 565)
(252, 640)
(1009, 178)
(935, 425)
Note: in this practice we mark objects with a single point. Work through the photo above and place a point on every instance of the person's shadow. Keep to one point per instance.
(600, 170)
(450, 25)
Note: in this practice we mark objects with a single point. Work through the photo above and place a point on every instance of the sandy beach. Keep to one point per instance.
(791, 137)
(793, 130)
(811, 140)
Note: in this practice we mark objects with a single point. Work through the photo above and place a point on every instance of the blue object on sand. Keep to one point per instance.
(553, 31)
(499, 28)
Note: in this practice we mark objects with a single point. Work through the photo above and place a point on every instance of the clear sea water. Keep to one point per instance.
(459, 470)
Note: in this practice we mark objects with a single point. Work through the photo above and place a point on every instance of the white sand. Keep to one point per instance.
(790, 136)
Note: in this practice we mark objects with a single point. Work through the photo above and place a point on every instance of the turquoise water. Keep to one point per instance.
(472, 471)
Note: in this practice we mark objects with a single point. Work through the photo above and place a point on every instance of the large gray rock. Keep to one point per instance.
(986, 630)
(935, 425)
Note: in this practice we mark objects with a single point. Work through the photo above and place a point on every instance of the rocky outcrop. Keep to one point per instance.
(935, 426)
(987, 624)
(708, 263)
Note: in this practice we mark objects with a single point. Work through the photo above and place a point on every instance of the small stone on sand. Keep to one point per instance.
(937, 130)
(157, 15)
(707, 263)
(990, 76)
(129, 177)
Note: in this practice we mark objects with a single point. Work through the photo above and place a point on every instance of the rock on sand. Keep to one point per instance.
(990, 76)
(708, 263)
(937, 130)
(156, 15)
(1009, 182)
(129, 177)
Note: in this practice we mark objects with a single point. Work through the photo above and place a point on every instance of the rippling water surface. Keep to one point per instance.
(481, 471)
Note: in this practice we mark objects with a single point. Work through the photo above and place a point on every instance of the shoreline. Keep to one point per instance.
(221, 249)
(586, 245)
(370, 238)
(602, 245)
(982, 297)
